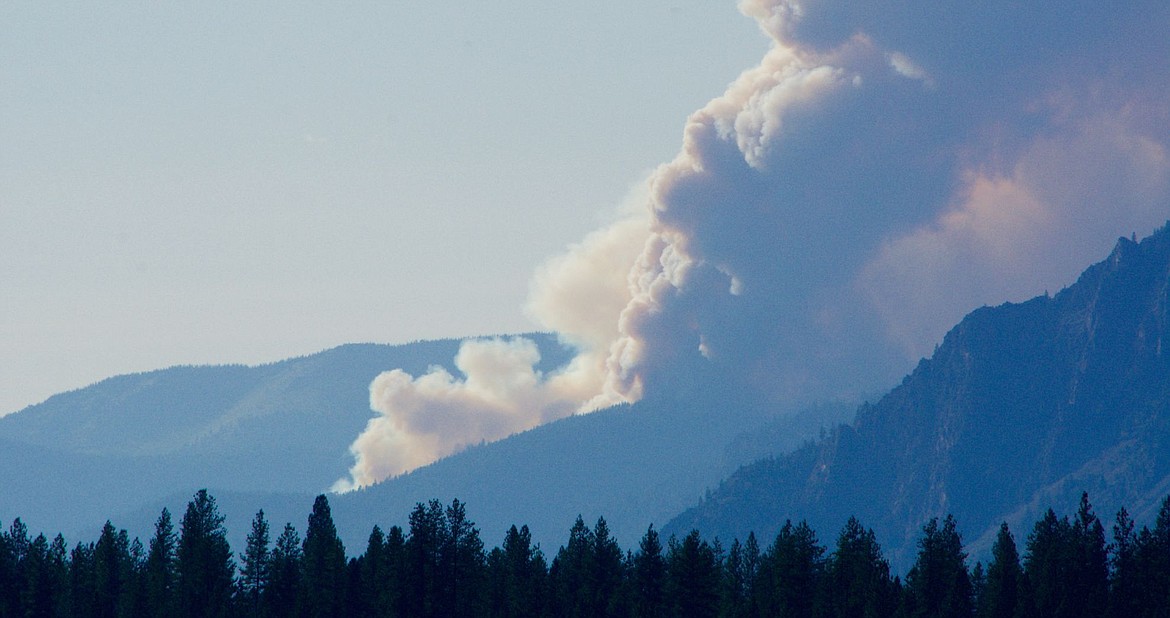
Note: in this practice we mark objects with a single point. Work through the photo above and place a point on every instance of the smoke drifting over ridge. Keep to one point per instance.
(886, 168)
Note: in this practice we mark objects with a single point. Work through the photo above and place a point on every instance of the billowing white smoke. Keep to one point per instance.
(436, 414)
(422, 419)
(887, 167)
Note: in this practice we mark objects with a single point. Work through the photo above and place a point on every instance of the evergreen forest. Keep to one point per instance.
(439, 566)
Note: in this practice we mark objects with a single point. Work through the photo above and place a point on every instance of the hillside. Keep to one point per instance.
(631, 464)
(1022, 407)
(129, 441)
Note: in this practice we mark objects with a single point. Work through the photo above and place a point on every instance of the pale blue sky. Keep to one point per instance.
(249, 181)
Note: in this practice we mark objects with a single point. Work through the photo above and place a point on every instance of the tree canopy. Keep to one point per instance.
(439, 566)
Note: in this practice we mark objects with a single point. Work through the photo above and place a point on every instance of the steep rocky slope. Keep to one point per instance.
(1022, 407)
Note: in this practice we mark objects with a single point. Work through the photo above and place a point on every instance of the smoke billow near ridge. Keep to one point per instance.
(886, 168)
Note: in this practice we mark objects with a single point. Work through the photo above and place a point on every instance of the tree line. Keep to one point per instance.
(438, 566)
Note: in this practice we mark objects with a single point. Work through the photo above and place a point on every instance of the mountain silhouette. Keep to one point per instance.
(131, 441)
(1022, 407)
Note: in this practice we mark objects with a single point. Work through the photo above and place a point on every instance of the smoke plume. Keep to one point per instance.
(887, 167)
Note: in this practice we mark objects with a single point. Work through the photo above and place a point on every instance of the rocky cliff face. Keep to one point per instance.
(1022, 407)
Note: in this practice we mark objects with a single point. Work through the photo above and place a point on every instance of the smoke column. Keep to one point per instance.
(887, 167)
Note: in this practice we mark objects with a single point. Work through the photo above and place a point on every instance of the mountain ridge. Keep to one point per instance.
(131, 440)
(1019, 402)
(914, 454)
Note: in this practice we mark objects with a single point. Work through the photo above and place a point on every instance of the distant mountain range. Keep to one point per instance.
(634, 465)
(106, 450)
(1021, 408)
(275, 435)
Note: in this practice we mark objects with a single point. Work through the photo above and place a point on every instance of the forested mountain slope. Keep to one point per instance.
(87, 455)
(1023, 406)
(634, 465)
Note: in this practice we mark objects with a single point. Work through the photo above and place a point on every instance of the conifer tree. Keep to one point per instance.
(499, 590)
(571, 573)
(81, 601)
(373, 578)
(39, 588)
(740, 569)
(134, 599)
(1089, 571)
(1152, 565)
(518, 575)
(354, 596)
(731, 585)
(1047, 564)
(9, 578)
(938, 585)
(423, 553)
(607, 571)
(1124, 587)
(111, 571)
(649, 577)
(462, 563)
(978, 584)
(693, 577)
(858, 576)
(204, 562)
(324, 565)
(255, 565)
(159, 571)
(752, 559)
(791, 574)
(17, 542)
(394, 586)
(58, 572)
(284, 576)
(1001, 589)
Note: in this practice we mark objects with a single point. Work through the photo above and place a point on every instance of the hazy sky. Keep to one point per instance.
(243, 182)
